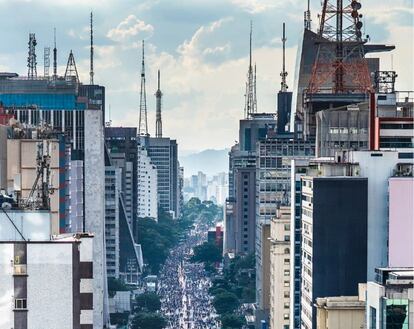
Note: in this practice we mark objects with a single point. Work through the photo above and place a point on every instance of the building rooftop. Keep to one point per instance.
(341, 302)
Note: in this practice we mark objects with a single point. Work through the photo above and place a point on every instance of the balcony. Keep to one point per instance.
(19, 269)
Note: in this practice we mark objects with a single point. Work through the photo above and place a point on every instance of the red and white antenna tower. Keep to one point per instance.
(340, 66)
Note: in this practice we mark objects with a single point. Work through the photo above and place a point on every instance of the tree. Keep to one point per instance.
(115, 285)
(144, 320)
(148, 301)
(230, 321)
(207, 252)
(225, 302)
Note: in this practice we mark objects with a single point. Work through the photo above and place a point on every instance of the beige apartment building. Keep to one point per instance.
(344, 312)
(280, 269)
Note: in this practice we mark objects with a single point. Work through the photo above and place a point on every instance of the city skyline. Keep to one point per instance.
(201, 49)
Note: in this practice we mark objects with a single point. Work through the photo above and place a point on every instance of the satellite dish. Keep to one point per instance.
(355, 5)
(6, 206)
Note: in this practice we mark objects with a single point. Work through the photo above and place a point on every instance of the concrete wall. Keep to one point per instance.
(95, 206)
(49, 285)
(401, 222)
(377, 167)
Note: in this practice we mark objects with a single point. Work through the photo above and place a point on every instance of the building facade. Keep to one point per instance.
(280, 258)
(112, 194)
(163, 152)
(147, 186)
(334, 240)
(32, 273)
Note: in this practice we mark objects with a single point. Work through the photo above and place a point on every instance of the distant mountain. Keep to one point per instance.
(209, 162)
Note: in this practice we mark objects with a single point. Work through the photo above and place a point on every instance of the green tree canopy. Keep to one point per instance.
(148, 301)
(206, 252)
(145, 320)
(230, 321)
(225, 302)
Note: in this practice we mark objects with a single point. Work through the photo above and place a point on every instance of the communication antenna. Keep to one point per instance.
(143, 122)
(71, 71)
(158, 121)
(307, 17)
(283, 74)
(340, 66)
(251, 104)
(54, 55)
(91, 74)
(31, 59)
(46, 59)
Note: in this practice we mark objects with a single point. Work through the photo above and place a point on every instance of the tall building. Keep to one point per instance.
(122, 144)
(334, 239)
(273, 189)
(121, 168)
(164, 155)
(147, 186)
(113, 190)
(280, 256)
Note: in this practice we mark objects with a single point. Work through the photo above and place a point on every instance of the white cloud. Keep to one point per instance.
(130, 27)
(255, 6)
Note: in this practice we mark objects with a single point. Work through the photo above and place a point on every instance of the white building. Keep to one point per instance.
(112, 192)
(280, 269)
(147, 186)
(47, 284)
(378, 167)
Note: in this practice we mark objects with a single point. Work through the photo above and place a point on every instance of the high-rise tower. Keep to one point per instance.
(251, 102)
(158, 122)
(143, 122)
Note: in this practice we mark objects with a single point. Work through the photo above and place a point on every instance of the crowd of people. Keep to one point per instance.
(183, 287)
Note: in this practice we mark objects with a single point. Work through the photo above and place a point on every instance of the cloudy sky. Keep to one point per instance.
(200, 46)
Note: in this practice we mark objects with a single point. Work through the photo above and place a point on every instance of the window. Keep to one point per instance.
(372, 317)
(287, 261)
(286, 294)
(20, 304)
(286, 272)
(287, 251)
(287, 227)
(287, 237)
(286, 316)
(286, 305)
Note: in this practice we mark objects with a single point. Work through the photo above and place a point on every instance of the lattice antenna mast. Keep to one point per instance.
(91, 74)
(307, 18)
(54, 55)
(340, 66)
(250, 105)
(283, 74)
(31, 59)
(71, 70)
(143, 122)
(46, 60)
(158, 121)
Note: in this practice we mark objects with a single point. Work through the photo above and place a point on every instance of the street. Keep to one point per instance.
(183, 288)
